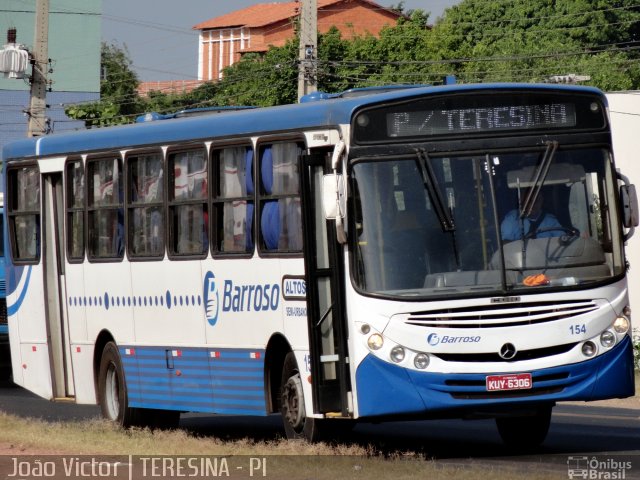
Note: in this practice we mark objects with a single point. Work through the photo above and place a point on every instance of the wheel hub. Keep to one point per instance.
(293, 402)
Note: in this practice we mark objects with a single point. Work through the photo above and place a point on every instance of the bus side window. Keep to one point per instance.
(145, 196)
(280, 218)
(233, 200)
(75, 210)
(105, 209)
(188, 196)
(24, 214)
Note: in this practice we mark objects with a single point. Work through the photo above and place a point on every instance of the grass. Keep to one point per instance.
(23, 436)
(286, 459)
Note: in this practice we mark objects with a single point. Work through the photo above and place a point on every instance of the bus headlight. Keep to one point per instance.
(397, 354)
(589, 349)
(607, 339)
(375, 341)
(421, 361)
(621, 325)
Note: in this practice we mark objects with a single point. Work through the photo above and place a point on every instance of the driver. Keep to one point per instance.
(539, 224)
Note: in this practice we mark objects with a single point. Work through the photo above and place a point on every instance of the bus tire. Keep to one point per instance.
(525, 432)
(297, 425)
(112, 390)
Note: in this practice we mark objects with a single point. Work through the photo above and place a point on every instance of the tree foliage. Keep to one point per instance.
(529, 41)
(476, 40)
(119, 100)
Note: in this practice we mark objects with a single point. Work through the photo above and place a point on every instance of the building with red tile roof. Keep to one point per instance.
(224, 39)
(168, 87)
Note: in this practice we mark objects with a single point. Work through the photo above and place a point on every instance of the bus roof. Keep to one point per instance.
(323, 113)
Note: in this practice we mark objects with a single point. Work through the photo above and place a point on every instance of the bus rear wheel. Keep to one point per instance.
(112, 391)
(525, 432)
(114, 401)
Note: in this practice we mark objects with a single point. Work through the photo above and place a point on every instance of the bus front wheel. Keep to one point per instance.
(296, 423)
(112, 391)
(525, 432)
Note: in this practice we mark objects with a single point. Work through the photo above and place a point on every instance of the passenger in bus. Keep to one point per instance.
(539, 224)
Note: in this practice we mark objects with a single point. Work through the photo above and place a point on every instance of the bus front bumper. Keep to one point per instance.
(386, 389)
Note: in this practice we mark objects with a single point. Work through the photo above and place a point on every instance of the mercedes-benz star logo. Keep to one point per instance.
(507, 351)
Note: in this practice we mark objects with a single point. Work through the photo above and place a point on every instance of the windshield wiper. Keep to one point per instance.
(538, 181)
(445, 215)
(431, 184)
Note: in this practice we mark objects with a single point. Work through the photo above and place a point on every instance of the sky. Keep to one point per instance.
(159, 37)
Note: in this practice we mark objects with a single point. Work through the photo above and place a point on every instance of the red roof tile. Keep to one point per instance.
(168, 87)
(264, 14)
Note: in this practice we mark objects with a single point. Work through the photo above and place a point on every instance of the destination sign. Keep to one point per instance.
(482, 119)
(490, 112)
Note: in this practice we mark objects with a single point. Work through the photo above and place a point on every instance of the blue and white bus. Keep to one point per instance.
(336, 260)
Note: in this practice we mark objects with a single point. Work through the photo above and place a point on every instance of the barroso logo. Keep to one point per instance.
(211, 298)
(433, 339)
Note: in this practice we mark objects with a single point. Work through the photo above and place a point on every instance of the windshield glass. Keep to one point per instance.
(500, 221)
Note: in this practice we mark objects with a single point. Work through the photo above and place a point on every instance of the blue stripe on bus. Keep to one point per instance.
(225, 381)
(238, 383)
(12, 309)
(198, 390)
(106, 301)
(191, 399)
(163, 374)
(218, 409)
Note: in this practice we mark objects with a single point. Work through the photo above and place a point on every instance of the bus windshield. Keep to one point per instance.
(485, 223)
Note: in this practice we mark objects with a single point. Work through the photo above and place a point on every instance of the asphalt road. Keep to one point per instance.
(579, 432)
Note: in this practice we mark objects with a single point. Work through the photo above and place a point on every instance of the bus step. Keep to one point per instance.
(64, 399)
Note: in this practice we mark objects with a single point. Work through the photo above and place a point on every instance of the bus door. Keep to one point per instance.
(324, 274)
(54, 285)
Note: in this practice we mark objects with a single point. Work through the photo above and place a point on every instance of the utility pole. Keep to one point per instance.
(38, 124)
(308, 53)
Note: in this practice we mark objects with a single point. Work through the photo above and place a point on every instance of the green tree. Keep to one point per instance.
(524, 40)
(261, 80)
(119, 100)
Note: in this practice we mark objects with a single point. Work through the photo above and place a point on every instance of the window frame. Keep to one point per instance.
(10, 214)
(217, 200)
(90, 208)
(130, 205)
(262, 197)
(172, 203)
(70, 209)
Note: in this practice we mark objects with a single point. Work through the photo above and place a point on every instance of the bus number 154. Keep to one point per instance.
(578, 329)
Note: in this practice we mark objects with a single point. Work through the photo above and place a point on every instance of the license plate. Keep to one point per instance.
(516, 381)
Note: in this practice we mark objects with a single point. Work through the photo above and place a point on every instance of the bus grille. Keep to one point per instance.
(475, 389)
(501, 315)
(495, 357)
(506, 394)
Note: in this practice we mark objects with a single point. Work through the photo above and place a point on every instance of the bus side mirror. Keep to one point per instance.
(629, 203)
(334, 202)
